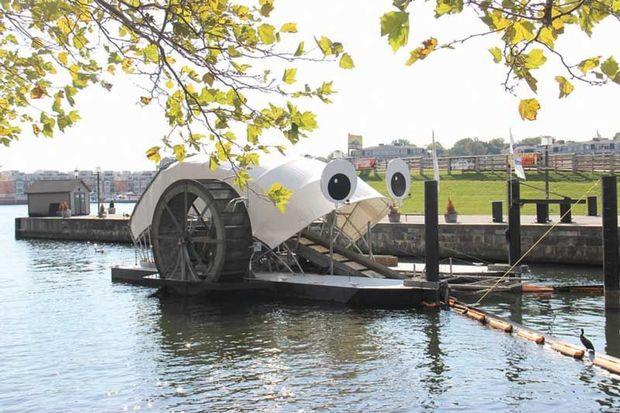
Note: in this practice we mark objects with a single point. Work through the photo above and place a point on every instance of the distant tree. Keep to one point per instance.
(617, 136)
(401, 142)
(495, 146)
(440, 149)
(468, 147)
(531, 141)
(337, 154)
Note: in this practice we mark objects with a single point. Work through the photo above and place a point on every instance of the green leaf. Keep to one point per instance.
(151, 53)
(346, 62)
(535, 59)
(395, 25)
(289, 76)
(266, 7)
(610, 67)
(565, 86)
(448, 7)
(300, 49)
(208, 78)
(496, 53)
(266, 32)
(253, 132)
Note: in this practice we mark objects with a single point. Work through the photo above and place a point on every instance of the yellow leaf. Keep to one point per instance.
(547, 36)
(279, 195)
(497, 54)
(289, 76)
(528, 109)
(346, 62)
(145, 100)
(325, 45)
(522, 31)
(428, 46)
(266, 32)
(213, 162)
(62, 56)
(179, 152)
(535, 59)
(289, 28)
(153, 154)
(169, 84)
(588, 64)
(565, 86)
(35, 129)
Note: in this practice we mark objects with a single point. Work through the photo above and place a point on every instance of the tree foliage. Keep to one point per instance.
(474, 146)
(526, 33)
(209, 64)
(401, 142)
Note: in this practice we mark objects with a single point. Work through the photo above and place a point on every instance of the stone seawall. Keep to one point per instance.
(74, 229)
(565, 244)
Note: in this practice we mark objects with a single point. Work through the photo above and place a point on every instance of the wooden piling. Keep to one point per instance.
(514, 221)
(431, 231)
(610, 242)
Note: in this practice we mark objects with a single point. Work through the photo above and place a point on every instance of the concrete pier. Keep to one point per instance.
(113, 228)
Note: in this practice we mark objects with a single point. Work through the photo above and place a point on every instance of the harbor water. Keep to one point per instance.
(72, 341)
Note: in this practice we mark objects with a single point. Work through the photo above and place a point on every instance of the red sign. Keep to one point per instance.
(365, 164)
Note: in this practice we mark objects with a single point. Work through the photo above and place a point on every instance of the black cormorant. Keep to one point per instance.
(586, 343)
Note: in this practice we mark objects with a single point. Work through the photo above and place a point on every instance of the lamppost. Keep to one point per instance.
(99, 214)
(78, 202)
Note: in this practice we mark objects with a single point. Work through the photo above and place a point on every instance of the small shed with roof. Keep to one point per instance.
(46, 196)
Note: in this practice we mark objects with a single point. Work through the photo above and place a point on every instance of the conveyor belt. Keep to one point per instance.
(316, 250)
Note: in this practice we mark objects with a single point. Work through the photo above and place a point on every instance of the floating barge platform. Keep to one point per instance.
(350, 290)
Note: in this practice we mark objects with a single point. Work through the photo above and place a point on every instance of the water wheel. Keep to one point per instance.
(199, 233)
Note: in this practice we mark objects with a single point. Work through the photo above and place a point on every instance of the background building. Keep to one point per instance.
(388, 151)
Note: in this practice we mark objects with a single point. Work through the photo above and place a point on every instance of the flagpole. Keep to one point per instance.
(510, 162)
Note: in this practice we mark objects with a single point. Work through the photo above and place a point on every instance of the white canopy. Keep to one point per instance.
(301, 175)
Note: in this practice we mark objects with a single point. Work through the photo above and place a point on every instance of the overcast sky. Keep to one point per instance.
(457, 93)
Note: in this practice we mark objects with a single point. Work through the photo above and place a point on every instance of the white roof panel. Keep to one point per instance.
(301, 175)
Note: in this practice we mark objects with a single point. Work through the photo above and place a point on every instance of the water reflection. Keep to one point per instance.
(612, 332)
(434, 379)
(72, 340)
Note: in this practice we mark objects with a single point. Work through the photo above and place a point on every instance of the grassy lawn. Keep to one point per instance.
(473, 192)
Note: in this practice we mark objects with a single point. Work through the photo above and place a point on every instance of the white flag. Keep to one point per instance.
(435, 161)
(516, 160)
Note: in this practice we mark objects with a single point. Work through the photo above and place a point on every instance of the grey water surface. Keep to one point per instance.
(71, 341)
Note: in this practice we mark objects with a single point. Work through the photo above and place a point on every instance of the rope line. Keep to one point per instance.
(534, 245)
(542, 190)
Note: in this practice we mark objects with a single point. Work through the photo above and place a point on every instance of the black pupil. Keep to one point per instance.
(398, 184)
(339, 187)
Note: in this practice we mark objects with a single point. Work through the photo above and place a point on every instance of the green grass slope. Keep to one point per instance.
(473, 192)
